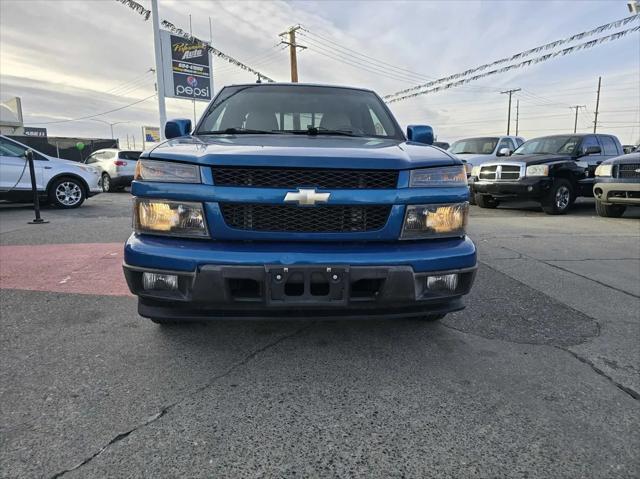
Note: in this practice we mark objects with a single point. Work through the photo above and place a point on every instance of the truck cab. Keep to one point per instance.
(299, 200)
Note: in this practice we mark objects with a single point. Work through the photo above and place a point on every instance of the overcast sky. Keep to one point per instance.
(68, 59)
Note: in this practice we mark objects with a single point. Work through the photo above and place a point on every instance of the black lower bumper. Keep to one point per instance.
(300, 292)
(524, 189)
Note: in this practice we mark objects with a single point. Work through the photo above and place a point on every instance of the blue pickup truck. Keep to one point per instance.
(298, 201)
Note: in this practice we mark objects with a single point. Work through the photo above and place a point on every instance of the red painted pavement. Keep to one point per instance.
(86, 268)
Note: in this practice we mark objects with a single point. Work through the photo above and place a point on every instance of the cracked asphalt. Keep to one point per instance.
(538, 377)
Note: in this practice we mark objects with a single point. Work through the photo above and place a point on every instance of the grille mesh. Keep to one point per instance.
(319, 219)
(300, 177)
(628, 170)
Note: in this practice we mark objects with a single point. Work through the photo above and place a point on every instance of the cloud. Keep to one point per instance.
(72, 53)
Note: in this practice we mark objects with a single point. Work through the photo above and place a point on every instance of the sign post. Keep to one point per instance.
(159, 70)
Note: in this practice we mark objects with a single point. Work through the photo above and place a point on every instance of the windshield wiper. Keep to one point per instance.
(239, 131)
(318, 130)
(468, 153)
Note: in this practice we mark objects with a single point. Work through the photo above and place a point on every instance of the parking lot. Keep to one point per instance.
(538, 377)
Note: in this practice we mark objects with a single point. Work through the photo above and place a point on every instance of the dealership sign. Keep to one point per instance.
(186, 68)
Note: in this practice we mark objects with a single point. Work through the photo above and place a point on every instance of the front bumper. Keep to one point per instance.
(301, 280)
(522, 189)
(618, 192)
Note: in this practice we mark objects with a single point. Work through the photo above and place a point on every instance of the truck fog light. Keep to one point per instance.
(443, 282)
(159, 282)
(529, 188)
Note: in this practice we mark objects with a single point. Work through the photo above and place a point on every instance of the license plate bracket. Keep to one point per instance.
(299, 285)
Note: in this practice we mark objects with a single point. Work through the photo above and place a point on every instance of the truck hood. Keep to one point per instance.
(301, 151)
(533, 159)
(474, 159)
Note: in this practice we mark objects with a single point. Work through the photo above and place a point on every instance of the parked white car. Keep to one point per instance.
(116, 167)
(475, 151)
(63, 183)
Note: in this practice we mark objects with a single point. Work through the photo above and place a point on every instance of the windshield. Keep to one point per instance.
(282, 109)
(555, 145)
(476, 146)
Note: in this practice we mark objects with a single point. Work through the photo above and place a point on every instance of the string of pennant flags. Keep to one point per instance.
(524, 54)
(525, 63)
(135, 6)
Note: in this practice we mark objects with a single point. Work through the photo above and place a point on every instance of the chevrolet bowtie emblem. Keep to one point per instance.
(306, 197)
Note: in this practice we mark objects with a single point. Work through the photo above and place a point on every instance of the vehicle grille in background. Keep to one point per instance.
(500, 172)
(319, 219)
(301, 177)
(628, 170)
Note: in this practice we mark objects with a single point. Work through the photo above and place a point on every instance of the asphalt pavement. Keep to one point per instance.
(538, 377)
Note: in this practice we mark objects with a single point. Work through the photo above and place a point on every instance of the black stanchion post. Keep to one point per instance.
(34, 188)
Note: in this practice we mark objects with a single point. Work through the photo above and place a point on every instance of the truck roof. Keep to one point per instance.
(324, 85)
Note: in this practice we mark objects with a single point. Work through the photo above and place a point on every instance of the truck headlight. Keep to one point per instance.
(475, 171)
(435, 221)
(441, 176)
(604, 170)
(167, 171)
(175, 218)
(537, 170)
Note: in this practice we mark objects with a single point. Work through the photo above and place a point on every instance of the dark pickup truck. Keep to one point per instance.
(552, 170)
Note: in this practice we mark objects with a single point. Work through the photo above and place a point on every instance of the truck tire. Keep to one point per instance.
(609, 211)
(66, 193)
(559, 199)
(486, 201)
(472, 198)
(106, 183)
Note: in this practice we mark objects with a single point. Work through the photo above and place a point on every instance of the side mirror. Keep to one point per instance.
(420, 134)
(177, 127)
(592, 150)
(504, 152)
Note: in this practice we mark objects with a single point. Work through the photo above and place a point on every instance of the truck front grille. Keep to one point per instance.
(318, 219)
(500, 172)
(628, 170)
(301, 177)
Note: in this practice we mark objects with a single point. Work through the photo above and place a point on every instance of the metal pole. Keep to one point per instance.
(111, 125)
(193, 96)
(144, 145)
(211, 57)
(159, 70)
(595, 120)
(34, 188)
(575, 123)
(510, 92)
(517, 115)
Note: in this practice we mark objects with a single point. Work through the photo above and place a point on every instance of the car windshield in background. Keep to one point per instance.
(281, 109)
(129, 155)
(549, 145)
(476, 146)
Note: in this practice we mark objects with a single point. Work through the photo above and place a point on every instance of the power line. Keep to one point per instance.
(364, 56)
(88, 117)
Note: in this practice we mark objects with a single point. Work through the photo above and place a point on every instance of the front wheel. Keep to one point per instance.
(559, 199)
(609, 211)
(486, 201)
(66, 193)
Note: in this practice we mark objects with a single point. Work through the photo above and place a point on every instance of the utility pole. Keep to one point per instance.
(293, 46)
(575, 123)
(595, 120)
(510, 92)
(517, 115)
(159, 70)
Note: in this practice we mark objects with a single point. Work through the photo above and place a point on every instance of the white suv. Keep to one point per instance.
(116, 167)
(63, 183)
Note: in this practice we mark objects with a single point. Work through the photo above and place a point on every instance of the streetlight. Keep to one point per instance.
(110, 124)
